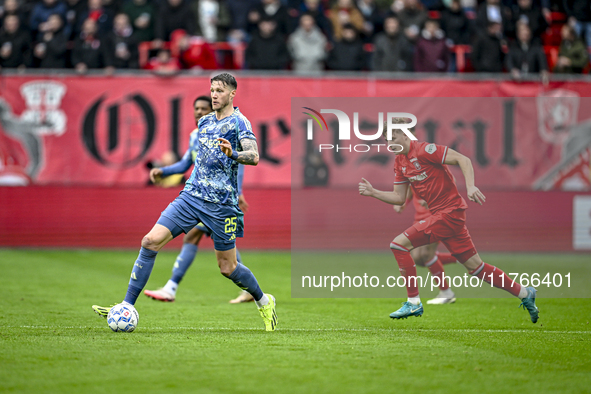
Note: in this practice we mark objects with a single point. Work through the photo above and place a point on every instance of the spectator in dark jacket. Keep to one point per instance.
(15, 44)
(239, 13)
(75, 9)
(392, 50)
(41, 12)
(142, 14)
(13, 7)
(579, 16)
(455, 24)
(431, 52)
(412, 17)
(121, 43)
(347, 53)
(274, 10)
(89, 49)
(102, 15)
(373, 18)
(50, 51)
(493, 11)
(487, 50)
(173, 15)
(526, 56)
(525, 12)
(572, 56)
(267, 50)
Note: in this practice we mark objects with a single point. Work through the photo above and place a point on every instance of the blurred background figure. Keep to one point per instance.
(212, 19)
(525, 56)
(412, 17)
(307, 46)
(392, 50)
(101, 15)
(15, 44)
(13, 7)
(142, 14)
(164, 64)
(572, 55)
(344, 13)
(173, 15)
(456, 25)
(431, 53)
(121, 43)
(525, 12)
(347, 53)
(270, 10)
(493, 11)
(372, 16)
(41, 13)
(314, 8)
(50, 50)
(267, 50)
(487, 49)
(579, 17)
(89, 51)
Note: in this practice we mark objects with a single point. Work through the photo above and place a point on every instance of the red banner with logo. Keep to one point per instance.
(101, 131)
(539, 143)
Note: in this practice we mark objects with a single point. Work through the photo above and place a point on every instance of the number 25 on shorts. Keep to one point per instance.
(230, 225)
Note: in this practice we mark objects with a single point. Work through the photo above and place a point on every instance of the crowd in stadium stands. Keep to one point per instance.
(514, 36)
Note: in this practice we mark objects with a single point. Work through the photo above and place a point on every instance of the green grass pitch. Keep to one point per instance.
(52, 342)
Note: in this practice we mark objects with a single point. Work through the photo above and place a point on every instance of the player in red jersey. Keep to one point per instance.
(427, 255)
(424, 167)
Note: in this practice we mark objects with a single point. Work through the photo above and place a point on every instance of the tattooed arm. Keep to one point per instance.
(249, 154)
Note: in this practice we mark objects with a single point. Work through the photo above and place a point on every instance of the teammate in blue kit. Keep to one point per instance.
(201, 107)
(210, 196)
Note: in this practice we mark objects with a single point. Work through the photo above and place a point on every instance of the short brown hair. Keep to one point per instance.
(398, 121)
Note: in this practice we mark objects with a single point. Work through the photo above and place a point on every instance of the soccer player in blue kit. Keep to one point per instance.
(201, 107)
(210, 196)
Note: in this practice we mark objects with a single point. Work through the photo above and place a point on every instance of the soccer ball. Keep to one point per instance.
(123, 317)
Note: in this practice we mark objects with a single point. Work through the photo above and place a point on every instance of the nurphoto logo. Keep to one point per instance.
(344, 130)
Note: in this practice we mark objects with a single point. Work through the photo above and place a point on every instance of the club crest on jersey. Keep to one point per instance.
(430, 148)
(404, 170)
(415, 163)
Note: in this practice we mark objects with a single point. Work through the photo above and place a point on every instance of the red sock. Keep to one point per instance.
(437, 270)
(499, 278)
(446, 258)
(407, 268)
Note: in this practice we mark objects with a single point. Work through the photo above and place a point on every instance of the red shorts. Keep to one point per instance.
(421, 212)
(447, 227)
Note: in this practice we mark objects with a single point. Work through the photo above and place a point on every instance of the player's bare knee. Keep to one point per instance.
(148, 242)
(227, 266)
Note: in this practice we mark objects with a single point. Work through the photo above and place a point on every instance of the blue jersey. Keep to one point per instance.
(215, 175)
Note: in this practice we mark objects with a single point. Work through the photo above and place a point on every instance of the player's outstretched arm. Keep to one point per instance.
(180, 167)
(457, 159)
(395, 197)
(249, 154)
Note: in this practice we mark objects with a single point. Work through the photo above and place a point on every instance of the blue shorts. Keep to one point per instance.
(185, 212)
(204, 229)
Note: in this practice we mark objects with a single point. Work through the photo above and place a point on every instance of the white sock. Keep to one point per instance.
(522, 292)
(170, 287)
(447, 293)
(263, 301)
(414, 300)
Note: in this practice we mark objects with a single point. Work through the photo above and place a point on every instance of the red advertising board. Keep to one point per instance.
(101, 131)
